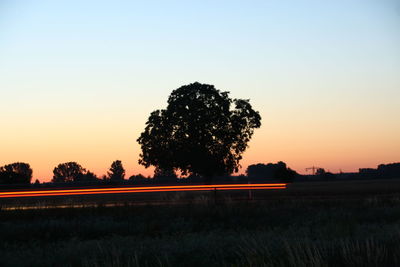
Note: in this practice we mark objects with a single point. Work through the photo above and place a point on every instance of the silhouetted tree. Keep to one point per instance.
(199, 132)
(139, 178)
(117, 171)
(16, 173)
(283, 173)
(68, 172)
(277, 171)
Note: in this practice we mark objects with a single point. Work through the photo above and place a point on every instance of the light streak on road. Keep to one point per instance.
(141, 189)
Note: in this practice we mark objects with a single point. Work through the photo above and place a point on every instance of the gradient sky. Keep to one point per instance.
(78, 79)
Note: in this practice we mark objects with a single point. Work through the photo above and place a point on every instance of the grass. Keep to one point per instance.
(350, 230)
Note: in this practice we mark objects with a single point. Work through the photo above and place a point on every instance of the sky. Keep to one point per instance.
(78, 79)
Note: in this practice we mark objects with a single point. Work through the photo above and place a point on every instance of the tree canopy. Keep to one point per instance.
(16, 173)
(277, 171)
(201, 132)
(71, 172)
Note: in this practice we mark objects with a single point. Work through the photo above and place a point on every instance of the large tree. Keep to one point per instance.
(16, 173)
(201, 132)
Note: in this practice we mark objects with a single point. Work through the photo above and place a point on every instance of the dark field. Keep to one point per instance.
(354, 223)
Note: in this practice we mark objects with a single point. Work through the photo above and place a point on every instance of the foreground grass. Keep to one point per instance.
(286, 232)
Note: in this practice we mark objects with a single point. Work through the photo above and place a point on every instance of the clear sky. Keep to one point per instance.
(78, 79)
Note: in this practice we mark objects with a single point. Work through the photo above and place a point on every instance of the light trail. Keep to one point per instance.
(142, 189)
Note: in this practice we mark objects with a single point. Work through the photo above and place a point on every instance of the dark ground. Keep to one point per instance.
(337, 223)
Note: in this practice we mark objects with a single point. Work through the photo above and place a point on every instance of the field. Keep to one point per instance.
(354, 223)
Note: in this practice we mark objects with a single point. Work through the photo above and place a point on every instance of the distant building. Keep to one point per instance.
(391, 170)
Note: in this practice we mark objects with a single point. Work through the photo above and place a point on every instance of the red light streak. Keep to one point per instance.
(92, 191)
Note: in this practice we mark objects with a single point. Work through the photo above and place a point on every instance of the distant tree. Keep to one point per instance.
(138, 178)
(284, 173)
(68, 172)
(278, 171)
(16, 173)
(117, 171)
(199, 132)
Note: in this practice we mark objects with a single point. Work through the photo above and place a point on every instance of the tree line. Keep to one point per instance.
(69, 172)
(73, 172)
